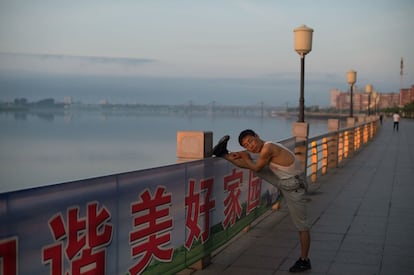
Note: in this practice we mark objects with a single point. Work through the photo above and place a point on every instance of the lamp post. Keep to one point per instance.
(368, 90)
(351, 78)
(303, 45)
(375, 96)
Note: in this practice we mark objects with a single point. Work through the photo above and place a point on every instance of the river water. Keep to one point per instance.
(39, 149)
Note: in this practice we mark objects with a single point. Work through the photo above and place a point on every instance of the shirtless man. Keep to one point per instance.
(280, 167)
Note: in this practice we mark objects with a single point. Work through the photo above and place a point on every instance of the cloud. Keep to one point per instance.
(55, 63)
(103, 60)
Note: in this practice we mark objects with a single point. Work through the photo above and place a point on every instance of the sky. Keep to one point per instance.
(212, 40)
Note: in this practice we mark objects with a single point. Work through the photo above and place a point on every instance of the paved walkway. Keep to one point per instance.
(362, 218)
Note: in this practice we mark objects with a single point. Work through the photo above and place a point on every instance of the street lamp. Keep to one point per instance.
(303, 45)
(375, 96)
(351, 78)
(368, 89)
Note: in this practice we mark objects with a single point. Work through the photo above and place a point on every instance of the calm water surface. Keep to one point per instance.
(43, 149)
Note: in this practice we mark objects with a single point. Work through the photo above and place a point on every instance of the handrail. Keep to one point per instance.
(329, 150)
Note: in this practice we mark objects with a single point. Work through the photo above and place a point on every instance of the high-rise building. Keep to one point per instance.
(341, 100)
(406, 96)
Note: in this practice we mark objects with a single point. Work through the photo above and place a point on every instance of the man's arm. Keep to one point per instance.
(264, 158)
(237, 159)
(265, 173)
(246, 161)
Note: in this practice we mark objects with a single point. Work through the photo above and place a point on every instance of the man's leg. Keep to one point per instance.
(303, 263)
(297, 207)
(305, 240)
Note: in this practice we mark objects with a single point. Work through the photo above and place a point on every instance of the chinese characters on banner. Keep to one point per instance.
(232, 205)
(8, 256)
(254, 192)
(81, 240)
(194, 208)
(82, 237)
(152, 229)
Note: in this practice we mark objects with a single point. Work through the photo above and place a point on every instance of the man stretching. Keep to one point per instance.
(279, 166)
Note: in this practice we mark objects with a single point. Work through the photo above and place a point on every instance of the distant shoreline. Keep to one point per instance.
(49, 106)
(53, 108)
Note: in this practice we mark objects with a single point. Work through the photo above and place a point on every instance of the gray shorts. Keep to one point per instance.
(293, 190)
(296, 202)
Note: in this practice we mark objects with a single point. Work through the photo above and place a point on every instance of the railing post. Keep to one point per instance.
(358, 137)
(351, 135)
(300, 130)
(324, 167)
(350, 122)
(372, 128)
(347, 144)
(333, 143)
(193, 145)
(341, 148)
(362, 131)
(314, 159)
(361, 119)
(375, 126)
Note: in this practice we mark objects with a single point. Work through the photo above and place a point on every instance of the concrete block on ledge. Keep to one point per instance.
(193, 145)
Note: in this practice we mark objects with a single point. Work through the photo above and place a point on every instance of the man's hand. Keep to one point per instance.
(238, 158)
(238, 155)
(244, 155)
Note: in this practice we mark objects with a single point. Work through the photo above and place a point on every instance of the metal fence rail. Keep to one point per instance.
(328, 151)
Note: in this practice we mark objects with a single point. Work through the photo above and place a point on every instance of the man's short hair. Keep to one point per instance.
(247, 132)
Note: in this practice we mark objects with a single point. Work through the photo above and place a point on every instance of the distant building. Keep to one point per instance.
(67, 100)
(388, 100)
(406, 96)
(341, 100)
(103, 102)
(333, 98)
